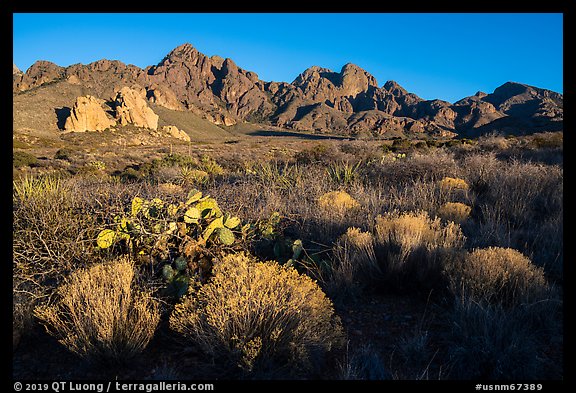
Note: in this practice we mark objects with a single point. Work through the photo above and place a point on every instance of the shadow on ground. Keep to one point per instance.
(297, 135)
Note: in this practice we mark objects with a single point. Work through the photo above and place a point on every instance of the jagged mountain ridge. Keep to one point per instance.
(319, 99)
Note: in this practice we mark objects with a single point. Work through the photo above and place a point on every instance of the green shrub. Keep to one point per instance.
(64, 154)
(21, 158)
(260, 316)
(401, 145)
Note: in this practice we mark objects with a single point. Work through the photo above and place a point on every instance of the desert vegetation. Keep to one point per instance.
(332, 259)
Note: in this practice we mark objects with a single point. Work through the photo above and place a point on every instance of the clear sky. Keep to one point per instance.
(445, 56)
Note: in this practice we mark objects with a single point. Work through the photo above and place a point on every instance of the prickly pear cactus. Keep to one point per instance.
(180, 263)
(225, 236)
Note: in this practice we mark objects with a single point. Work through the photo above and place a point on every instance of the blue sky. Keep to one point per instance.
(446, 56)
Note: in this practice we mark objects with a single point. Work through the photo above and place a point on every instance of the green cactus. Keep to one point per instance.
(192, 215)
(217, 223)
(168, 273)
(208, 207)
(178, 286)
(137, 204)
(106, 238)
(180, 263)
(225, 236)
(296, 249)
(231, 222)
(193, 196)
(172, 210)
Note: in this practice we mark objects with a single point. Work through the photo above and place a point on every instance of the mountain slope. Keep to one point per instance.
(347, 102)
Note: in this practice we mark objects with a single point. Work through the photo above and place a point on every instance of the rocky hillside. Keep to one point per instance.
(348, 102)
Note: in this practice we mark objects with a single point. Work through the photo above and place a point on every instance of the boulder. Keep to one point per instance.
(132, 108)
(164, 97)
(87, 114)
(174, 132)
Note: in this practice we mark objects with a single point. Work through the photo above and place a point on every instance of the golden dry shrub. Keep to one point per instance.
(454, 211)
(338, 202)
(415, 245)
(170, 188)
(258, 315)
(497, 275)
(360, 240)
(450, 184)
(101, 314)
(354, 263)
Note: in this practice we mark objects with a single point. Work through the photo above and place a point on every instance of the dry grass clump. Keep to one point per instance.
(49, 240)
(354, 263)
(490, 343)
(101, 314)
(260, 316)
(496, 275)
(414, 245)
(454, 211)
(170, 188)
(338, 202)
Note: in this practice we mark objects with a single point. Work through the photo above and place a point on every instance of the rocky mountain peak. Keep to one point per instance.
(184, 53)
(394, 88)
(354, 80)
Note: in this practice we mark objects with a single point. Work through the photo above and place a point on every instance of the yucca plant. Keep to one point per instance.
(344, 173)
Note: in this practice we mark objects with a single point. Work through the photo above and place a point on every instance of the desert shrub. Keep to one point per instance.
(432, 165)
(412, 247)
(493, 142)
(191, 176)
(170, 188)
(21, 158)
(354, 264)
(64, 154)
(450, 184)
(363, 363)
(51, 236)
(175, 159)
(547, 140)
(130, 174)
(210, 166)
(518, 205)
(319, 153)
(277, 175)
(454, 211)
(401, 145)
(169, 174)
(337, 202)
(101, 313)
(93, 168)
(421, 145)
(488, 342)
(260, 316)
(497, 275)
